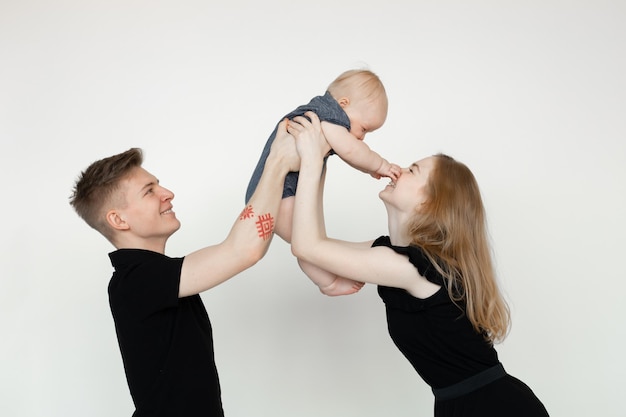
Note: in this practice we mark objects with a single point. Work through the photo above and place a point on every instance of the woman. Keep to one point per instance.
(444, 308)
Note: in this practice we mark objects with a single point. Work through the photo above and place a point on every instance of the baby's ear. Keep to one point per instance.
(344, 102)
(116, 220)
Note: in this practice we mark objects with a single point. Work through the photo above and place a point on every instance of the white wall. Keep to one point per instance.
(530, 94)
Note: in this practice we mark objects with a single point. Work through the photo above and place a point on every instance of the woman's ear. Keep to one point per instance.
(116, 221)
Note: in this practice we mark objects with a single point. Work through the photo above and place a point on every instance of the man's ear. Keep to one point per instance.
(344, 102)
(116, 221)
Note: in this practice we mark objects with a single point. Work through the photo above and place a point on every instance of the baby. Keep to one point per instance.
(354, 104)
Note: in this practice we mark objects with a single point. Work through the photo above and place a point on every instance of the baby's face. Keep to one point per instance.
(366, 116)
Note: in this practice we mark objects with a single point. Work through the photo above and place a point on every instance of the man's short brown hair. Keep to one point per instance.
(95, 187)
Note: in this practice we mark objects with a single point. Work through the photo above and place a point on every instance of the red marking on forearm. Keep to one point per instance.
(246, 213)
(265, 226)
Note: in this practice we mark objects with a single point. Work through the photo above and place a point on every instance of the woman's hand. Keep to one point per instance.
(310, 140)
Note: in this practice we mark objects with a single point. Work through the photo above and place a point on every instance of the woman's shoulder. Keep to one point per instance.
(417, 256)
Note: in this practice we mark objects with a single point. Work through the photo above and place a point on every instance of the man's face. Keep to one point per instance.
(148, 210)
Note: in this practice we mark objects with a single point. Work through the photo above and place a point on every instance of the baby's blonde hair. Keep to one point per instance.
(358, 84)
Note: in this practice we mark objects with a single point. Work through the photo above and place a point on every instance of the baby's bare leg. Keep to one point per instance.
(284, 219)
(329, 284)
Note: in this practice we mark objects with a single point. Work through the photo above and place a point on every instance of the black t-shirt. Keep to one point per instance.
(166, 342)
(433, 333)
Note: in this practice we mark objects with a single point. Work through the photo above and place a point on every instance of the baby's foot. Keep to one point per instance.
(342, 286)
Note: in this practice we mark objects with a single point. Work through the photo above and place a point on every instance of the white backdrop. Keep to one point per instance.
(530, 94)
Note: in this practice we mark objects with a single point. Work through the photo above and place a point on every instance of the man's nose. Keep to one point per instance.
(167, 194)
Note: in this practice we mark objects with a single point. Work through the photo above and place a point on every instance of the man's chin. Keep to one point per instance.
(174, 228)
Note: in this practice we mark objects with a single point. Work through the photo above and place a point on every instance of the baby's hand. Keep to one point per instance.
(387, 170)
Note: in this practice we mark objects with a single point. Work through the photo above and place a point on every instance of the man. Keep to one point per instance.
(163, 330)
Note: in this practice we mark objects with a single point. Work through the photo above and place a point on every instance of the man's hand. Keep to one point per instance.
(284, 148)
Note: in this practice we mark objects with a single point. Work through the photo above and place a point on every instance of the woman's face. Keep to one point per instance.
(409, 191)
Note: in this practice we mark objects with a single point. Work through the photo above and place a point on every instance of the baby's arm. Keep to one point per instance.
(356, 152)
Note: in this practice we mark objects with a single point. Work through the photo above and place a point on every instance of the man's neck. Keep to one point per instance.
(156, 245)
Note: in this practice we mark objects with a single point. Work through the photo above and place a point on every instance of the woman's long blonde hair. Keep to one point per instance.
(451, 228)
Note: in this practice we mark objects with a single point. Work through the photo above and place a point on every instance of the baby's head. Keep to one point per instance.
(362, 96)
